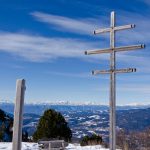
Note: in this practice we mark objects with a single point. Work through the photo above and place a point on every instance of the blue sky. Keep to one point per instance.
(44, 43)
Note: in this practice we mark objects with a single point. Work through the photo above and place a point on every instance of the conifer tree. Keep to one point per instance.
(52, 125)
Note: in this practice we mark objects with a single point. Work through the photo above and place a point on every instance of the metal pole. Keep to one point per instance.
(18, 115)
(112, 86)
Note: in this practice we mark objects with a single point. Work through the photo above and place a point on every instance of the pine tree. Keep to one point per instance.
(52, 125)
(2, 131)
(91, 140)
(5, 127)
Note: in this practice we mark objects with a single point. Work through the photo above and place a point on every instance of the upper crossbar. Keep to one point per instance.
(99, 31)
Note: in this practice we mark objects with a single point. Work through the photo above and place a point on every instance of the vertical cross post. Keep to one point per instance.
(112, 86)
(18, 115)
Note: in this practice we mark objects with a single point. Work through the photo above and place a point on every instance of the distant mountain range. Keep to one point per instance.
(86, 119)
(38, 108)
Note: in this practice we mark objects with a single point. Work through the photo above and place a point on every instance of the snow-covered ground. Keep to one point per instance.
(78, 147)
(34, 146)
(25, 146)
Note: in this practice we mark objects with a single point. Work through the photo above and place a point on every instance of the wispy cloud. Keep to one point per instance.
(128, 88)
(147, 2)
(134, 35)
(38, 48)
(81, 26)
(87, 25)
(76, 75)
(144, 88)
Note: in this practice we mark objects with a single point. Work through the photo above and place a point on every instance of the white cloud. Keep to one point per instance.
(38, 48)
(76, 75)
(139, 35)
(87, 25)
(147, 2)
(140, 89)
(127, 88)
(81, 26)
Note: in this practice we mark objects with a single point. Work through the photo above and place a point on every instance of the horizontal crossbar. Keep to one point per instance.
(116, 49)
(128, 70)
(99, 31)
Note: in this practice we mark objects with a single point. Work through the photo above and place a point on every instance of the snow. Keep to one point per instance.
(25, 146)
(78, 147)
(34, 146)
(94, 116)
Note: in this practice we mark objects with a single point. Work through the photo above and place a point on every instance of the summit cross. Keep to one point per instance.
(112, 71)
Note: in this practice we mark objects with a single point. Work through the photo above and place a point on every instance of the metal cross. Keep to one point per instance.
(112, 50)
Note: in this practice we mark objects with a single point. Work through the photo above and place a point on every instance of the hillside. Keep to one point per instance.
(85, 120)
(134, 119)
(6, 123)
